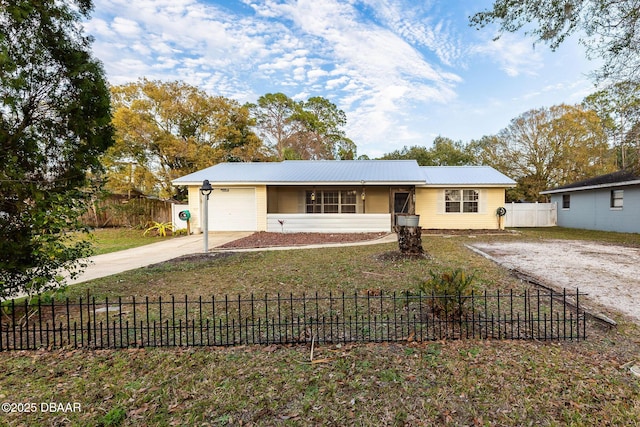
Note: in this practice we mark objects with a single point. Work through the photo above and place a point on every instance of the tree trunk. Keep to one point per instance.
(410, 240)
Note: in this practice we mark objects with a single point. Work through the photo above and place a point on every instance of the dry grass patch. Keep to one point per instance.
(436, 383)
(432, 383)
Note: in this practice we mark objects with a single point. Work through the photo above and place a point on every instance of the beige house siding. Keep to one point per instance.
(195, 204)
(286, 200)
(261, 206)
(430, 207)
(377, 200)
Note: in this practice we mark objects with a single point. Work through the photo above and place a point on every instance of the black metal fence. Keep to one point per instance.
(227, 321)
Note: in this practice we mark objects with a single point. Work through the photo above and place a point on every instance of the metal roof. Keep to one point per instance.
(310, 171)
(465, 175)
(372, 172)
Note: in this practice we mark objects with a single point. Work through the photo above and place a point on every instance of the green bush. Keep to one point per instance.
(180, 232)
(447, 288)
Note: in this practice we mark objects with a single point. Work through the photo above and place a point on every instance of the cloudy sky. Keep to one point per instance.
(404, 71)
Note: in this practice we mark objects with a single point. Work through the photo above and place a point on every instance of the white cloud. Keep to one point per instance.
(389, 64)
(126, 27)
(371, 57)
(515, 55)
(415, 23)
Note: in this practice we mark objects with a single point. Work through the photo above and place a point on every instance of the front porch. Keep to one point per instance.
(328, 223)
(336, 209)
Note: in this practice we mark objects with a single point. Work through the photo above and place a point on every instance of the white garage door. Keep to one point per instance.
(232, 209)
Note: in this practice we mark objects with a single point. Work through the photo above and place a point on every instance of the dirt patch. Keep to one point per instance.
(609, 274)
(265, 239)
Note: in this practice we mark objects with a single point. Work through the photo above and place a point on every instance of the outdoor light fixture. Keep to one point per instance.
(313, 196)
(206, 190)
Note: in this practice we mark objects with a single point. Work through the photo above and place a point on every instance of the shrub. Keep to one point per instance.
(160, 228)
(180, 232)
(448, 288)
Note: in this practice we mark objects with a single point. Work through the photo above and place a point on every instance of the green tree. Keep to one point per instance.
(547, 147)
(420, 154)
(618, 106)
(444, 152)
(273, 114)
(54, 125)
(167, 130)
(307, 130)
(608, 28)
(447, 152)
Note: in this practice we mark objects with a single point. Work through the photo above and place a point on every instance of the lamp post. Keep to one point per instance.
(205, 190)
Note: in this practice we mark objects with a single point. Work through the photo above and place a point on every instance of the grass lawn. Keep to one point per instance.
(434, 383)
(108, 240)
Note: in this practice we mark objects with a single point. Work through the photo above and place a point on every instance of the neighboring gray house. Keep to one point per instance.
(608, 202)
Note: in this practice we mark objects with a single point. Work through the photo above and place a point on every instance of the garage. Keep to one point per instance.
(232, 209)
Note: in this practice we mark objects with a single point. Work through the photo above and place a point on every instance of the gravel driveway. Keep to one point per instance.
(609, 274)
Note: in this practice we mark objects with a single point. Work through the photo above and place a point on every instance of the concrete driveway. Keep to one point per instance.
(130, 259)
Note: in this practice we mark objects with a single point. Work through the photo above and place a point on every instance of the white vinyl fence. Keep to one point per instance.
(177, 222)
(531, 215)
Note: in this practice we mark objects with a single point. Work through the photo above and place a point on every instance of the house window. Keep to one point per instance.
(566, 201)
(312, 202)
(469, 201)
(331, 201)
(461, 201)
(617, 198)
(452, 200)
(348, 201)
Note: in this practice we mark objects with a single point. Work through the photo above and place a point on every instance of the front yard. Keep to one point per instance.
(465, 382)
(108, 240)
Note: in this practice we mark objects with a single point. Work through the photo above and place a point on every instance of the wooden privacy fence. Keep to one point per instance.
(342, 318)
(121, 211)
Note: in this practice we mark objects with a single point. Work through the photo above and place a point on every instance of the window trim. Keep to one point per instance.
(321, 197)
(613, 199)
(566, 201)
(467, 201)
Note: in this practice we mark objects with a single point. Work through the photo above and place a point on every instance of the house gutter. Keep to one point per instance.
(470, 185)
(591, 187)
(302, 183)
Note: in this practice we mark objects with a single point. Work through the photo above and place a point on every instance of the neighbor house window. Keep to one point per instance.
(617, 197)
(566, 201)
(331, 201)
(461, 200)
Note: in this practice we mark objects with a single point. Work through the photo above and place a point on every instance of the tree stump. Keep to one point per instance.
(409, 240)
